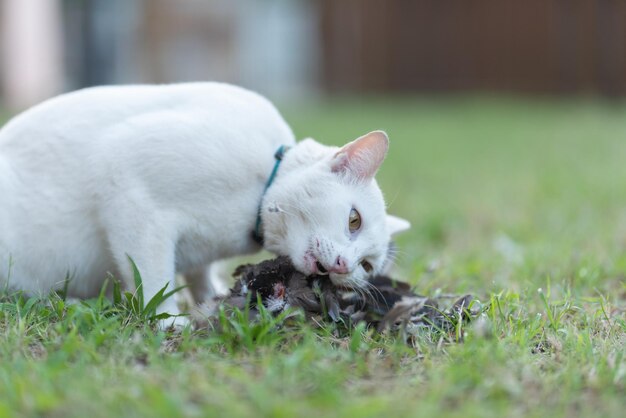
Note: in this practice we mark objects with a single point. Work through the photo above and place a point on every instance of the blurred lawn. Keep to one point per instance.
(488, 181)
(505, 197)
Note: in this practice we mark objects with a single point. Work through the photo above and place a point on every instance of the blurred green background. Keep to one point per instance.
(500, 182)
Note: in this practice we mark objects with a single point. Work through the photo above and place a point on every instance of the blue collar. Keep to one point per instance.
(257, 234)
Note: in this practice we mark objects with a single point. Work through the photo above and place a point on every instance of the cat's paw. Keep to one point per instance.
(175, 323)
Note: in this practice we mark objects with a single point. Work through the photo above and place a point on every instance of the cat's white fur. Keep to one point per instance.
(172, 176)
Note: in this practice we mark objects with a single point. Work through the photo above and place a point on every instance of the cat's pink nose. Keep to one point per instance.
(340, 266)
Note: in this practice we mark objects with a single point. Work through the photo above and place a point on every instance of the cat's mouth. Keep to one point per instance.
(313, 265)
(321, 271)
(317, 268)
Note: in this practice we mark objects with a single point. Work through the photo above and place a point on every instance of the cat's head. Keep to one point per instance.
(326, 212)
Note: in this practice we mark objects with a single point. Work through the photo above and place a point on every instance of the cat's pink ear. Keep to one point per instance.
(362, 157)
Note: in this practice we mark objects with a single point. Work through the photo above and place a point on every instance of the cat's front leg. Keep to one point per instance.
(157, 272)
(152, 250)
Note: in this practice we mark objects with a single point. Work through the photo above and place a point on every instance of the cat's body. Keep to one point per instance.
(171, 176)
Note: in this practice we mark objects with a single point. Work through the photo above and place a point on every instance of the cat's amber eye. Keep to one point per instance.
(367, 266)
(354, 221)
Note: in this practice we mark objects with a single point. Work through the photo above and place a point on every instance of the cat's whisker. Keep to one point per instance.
(391, 202)
(364, 292)
(371, 287)
(306, 212)
(398, 252)
(355, 288)
(361, 284)
(282, 210)
(358, 288)
(374, 288)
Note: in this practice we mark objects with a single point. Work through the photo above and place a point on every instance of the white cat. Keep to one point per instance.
(173, 176)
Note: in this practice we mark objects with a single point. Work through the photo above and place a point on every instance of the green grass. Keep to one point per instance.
(520, 202)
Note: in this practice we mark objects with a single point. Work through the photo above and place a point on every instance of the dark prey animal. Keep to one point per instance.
(387, 304)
